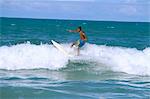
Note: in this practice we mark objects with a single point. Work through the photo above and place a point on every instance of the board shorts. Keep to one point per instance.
(79, 43)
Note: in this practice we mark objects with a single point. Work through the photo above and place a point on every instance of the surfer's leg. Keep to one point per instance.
(78, 51)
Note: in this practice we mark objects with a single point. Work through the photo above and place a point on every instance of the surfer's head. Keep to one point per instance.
(79, 28)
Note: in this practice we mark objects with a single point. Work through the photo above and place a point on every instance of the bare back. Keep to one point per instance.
(82, 35)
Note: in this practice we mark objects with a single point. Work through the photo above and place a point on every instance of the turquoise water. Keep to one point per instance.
(113, 64)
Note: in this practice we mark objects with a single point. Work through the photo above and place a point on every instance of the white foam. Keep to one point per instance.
(121, 59)
(30, 56)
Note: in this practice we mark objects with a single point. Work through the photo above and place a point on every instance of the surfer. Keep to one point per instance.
(79, 43)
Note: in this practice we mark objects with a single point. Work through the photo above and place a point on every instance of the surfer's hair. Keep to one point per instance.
(80, 27)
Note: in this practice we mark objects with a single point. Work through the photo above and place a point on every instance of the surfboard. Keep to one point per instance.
(60, 48)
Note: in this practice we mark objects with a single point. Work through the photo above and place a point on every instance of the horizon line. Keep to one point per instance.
(74, 19)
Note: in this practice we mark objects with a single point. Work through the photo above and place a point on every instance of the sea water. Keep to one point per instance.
(114, 63)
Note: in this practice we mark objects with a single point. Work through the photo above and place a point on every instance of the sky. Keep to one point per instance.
(103, 10)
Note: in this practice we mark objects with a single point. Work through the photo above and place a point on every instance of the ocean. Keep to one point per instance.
(113, 64)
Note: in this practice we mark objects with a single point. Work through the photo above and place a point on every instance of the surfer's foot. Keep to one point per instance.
(71, 45)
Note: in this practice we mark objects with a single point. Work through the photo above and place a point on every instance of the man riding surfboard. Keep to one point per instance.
(79, 43)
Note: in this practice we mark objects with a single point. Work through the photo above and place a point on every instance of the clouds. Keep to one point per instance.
(122, 10)
(135, 10)
(134, 7)
(128, 10)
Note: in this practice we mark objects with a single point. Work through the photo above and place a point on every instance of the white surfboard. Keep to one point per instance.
(60, 48)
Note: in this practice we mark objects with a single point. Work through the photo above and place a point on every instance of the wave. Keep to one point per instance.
(118, 59)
